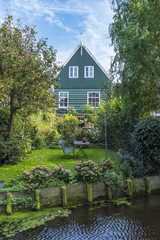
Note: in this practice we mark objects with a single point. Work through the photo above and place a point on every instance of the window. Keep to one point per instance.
(89, 71)
(73, 72)
(63, 99)
(93, 99)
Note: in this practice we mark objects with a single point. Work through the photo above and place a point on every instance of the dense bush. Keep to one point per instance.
(38, 142)
(117, 125)
(36, 177)
(52, 139)
(61, 174)
(88, 172)
(67, 127)
(145, 144)
(11, 151)
(4, 120)
(129, 166)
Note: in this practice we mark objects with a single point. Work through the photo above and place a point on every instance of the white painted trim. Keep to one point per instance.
(67, 99)
(89, 72)
(73, 71)
(93, 92)
(92, 56)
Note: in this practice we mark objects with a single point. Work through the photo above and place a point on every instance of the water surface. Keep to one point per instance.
(139, 221)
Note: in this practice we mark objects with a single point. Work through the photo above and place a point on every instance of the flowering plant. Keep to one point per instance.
(105, 166)
(87, 172)
(60, 173)
(36, 176)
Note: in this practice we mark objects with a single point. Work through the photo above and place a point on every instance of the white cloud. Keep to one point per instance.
(94, 18)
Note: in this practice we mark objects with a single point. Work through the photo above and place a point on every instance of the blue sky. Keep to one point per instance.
(62, 21)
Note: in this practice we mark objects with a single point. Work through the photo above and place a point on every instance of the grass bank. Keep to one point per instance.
(51, 158)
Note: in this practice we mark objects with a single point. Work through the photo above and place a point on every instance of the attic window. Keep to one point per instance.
(73, 72)
(89, 71)
(63, 99)
(93, 99)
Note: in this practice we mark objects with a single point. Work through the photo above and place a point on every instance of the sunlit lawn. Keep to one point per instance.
(51, 158)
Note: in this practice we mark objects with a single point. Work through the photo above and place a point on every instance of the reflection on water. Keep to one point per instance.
(139, 221)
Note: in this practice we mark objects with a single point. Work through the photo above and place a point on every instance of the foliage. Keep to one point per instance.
(61, 174)
(113, 179)
(145, 144)
(105, 166)
(117, 125)
(52, 139)
(38, 141)
(27, 70)
(4, 120)
(16, 187)
(19, 222)
(88, 109)
(129, 166)
(36, 177)
(23, 201)
(135, 37)
(89, 172)
(12, 151)
(72, 111)
(67, 127)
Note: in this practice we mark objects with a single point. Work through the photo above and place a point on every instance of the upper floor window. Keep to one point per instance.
(93, 99)
(89, 71)
(63, 99)
(73, 72)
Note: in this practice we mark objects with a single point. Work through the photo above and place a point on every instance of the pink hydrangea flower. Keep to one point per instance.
(48, 175)
(57, 168)
(68, 171)
(59, 165)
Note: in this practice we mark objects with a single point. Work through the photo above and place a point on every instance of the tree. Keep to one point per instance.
(28, 69)
(135, 35)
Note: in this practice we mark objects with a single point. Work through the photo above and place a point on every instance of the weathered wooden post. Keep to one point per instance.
(148, 186)
(89, 194)
(109, 192)
(9, 203)
(129, 186)
(37, 193)
(64, 196)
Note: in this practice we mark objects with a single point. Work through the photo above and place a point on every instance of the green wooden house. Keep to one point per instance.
(81, 81)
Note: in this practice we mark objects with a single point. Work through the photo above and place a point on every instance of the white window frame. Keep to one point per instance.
(63, 97)
(93, 97)
(73, 69)
(90, 70)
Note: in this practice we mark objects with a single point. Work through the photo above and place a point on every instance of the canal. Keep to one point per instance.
(141, 220)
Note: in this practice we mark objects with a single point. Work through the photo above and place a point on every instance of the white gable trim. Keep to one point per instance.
(92, 56)
(68, 59)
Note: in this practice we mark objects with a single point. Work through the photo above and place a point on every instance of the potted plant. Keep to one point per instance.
(2, 184)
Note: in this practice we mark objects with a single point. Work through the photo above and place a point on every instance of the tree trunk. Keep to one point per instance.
(11, 124)
(11, 119)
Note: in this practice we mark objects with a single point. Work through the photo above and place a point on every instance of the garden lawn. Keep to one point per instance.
(50, 158)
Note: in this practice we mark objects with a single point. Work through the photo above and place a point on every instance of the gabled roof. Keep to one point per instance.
(91, 55)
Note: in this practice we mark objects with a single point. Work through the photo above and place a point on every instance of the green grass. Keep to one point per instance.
(51, 158)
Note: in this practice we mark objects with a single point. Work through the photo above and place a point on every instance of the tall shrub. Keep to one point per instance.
(67, 127)
(145, 143)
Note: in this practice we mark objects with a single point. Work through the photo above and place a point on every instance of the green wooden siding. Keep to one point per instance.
(82, 83)
(78, 87)
(77, 97)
